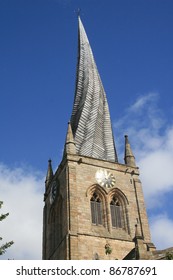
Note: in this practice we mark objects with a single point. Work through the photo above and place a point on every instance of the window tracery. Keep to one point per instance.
(96, 209)
(116, 213)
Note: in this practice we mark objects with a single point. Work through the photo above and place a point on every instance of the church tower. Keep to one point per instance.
(92, 202)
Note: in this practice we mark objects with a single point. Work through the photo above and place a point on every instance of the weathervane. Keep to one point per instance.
(78, 12)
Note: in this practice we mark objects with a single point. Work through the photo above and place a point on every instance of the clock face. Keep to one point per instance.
(53, 192)
(105, 178)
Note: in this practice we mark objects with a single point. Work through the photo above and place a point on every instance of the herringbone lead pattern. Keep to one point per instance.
(90, 118)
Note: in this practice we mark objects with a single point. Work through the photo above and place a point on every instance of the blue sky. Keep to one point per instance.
(132, 42)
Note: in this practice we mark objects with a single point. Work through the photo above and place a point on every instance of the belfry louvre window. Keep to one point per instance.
(116, 213)
(96, 209)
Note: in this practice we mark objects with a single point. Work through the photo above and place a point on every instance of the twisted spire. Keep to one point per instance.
(90, 120)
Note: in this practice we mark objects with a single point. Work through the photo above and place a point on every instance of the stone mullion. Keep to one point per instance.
(108, 216)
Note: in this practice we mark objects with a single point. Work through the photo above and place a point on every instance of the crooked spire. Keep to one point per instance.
(90, 120)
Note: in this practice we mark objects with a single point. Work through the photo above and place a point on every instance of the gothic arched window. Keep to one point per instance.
(96, 209)
(116, 213)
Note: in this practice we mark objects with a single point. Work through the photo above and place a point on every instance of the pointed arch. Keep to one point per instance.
(97, 200)
(97, 187)
(120, 194)
(96, 205)
(117, 218)
(118, 209)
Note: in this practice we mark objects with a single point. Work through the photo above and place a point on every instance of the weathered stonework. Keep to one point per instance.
(81, 239)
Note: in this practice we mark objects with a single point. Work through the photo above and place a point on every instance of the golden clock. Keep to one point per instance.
(105, 178)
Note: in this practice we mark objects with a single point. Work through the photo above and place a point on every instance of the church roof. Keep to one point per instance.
(90, 120)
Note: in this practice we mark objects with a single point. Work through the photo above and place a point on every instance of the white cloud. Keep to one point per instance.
(21, 190)
(156, 172)
(161, 231)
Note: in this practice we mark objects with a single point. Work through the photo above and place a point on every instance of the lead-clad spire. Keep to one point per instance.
(90, 120)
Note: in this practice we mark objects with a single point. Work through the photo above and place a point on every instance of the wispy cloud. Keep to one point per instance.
(142, 121)
(143, 101)
(151, 138)
(22, 193)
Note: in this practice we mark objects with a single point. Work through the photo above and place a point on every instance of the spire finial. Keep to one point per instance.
(78, 12)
